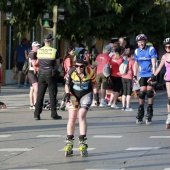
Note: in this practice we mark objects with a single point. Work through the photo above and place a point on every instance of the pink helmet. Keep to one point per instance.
(141, 37)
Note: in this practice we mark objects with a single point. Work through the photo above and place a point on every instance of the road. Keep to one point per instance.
(115, 141)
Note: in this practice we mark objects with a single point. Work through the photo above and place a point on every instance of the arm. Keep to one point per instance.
(135, 68)
(26, 54)
(160, 67)
(153, 60)
(15, 58)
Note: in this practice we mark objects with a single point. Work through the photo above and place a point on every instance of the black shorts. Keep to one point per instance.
(116, 84)
(20, 66)
(32, 77)
(143, 81)
(127, 86)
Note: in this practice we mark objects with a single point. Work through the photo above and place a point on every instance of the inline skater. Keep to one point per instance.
(145, 58)
(165, 61)
(80, 86)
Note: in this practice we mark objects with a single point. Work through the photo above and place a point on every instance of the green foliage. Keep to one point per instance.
(95, 18)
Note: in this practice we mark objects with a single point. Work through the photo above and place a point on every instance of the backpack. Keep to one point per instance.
(106, 70)
(123, 68)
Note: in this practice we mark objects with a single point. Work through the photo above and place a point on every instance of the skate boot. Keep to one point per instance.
(2, 105)
(69, 146)
(140, 115)
(83, 146)
(168, 122)
(149, 115)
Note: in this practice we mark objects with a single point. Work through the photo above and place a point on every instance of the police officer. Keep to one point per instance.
(47, 59)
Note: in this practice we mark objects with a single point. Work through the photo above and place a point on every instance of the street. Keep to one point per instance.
(115, 141)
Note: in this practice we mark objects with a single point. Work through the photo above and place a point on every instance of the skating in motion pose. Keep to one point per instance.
(80, 86)
(165, 61)
(145, 59)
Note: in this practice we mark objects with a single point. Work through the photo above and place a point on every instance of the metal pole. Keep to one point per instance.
(9, 51)
(55, 8)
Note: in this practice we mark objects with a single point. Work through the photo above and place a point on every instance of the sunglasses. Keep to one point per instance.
(167, 47)
(79, 66)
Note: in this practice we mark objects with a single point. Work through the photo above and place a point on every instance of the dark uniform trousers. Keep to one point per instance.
(46, 80)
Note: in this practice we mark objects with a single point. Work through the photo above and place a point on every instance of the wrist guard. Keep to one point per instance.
(67, 97)
(153, 77)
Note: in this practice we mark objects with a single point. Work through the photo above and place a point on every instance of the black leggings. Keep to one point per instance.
(127, 86)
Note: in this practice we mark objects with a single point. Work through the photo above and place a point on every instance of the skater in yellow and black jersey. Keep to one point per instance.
(80, 86)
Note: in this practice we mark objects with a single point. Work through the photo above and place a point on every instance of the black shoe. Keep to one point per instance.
(57, 117)
(37, 117)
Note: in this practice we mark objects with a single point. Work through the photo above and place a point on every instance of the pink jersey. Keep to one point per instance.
(167, 65)
(129, 74)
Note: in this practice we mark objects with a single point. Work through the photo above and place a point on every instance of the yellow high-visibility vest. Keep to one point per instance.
(46, 52)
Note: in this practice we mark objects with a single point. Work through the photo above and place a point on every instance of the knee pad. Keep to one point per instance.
(150, 93)
(168, 100)
(142, 95)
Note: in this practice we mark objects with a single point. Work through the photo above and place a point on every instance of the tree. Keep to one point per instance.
(85, 19)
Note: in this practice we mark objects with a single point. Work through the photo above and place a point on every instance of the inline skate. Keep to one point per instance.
(2, 105)
(83, 146)
(140, 115)
(149, 115)
(168, 122)
(68, 148)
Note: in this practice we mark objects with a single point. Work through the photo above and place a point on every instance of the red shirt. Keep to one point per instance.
(102, 60)
(67, 63)
(115, 63)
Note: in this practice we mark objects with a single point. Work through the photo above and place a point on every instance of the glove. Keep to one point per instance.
(67, 97)
(135, 79)
(153, 78)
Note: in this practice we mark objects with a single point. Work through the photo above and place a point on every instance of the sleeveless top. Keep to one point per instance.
(167, 65)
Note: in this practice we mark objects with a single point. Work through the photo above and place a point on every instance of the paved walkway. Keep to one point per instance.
(16, 97)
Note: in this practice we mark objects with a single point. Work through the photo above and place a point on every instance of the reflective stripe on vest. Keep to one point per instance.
(46, 52)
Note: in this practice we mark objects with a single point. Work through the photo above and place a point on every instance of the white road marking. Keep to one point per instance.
(77, 149)
(49, 136)
(104, 169)
(160, 137)
(14, 149)
(142, 148)
(106, 136)
(4, 136)
(27, 169)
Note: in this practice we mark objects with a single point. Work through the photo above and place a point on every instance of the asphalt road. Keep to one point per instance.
(115, 141)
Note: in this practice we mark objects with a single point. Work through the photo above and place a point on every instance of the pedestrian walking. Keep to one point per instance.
(32, 74)
(127, 83)
(80, 86)
(20, 55)
(102, 81)
(46, 59)
(145, 58)
(165, 61)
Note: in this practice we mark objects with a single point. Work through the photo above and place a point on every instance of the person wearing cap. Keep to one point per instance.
(32, 74)
(100, 62)
(145, 58)
(48, 60)
(79, 87)
(20, 55)
(115, 76)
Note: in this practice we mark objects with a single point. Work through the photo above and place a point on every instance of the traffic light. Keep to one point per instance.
(47, 19)
(56, 14)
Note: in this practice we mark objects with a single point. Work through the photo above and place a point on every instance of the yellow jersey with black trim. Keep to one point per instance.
(47, 57)
(78, 84)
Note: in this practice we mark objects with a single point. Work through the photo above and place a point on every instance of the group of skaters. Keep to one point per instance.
(84, 81)
(87, 80)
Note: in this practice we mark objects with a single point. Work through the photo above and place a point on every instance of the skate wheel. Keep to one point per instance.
(138, 122)
(148, 122)
(84, 153)
(68, 153)
(167, 126)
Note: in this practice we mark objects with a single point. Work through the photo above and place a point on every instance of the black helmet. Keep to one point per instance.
(166, 41)
(141, 37)
(80, 57)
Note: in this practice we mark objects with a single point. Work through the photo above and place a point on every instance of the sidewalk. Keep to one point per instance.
(16, 97)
